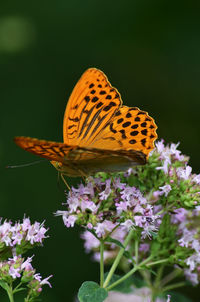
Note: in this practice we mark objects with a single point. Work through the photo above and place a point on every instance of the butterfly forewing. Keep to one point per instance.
(91, 106)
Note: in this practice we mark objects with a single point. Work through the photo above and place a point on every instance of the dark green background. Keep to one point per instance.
(150, 50)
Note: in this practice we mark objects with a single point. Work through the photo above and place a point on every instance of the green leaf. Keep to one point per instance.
(91, 292)
(115, 241)
(4, 285)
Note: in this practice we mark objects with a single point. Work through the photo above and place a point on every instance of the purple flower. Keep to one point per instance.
(26, 224)
(102, 228)
(147, 232)
(187, 238)
(160, 146)
(192, 277)
(88, 205)
(44, 281)
(179, 216)
(104, 194)
(196, 179)
(70, 220)
(118, 184)
(165, 190)
(36, 233)
(91, 242)
(184, 173)
(192, 261)
(144, 247)
(121, 206)
(195, 245)
(165, 165)
(26, 265)
(128, 224)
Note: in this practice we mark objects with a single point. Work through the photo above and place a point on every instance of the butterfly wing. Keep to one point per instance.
(74, 161)
(91, 106)
(46, 149)
(95, 118)
(130, 129)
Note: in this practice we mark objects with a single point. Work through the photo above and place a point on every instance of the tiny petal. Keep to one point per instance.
(128, 224)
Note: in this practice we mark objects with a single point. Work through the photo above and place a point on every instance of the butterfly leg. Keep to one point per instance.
(61, 174)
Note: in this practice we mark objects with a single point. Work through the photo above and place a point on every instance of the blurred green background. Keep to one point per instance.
(150, 50)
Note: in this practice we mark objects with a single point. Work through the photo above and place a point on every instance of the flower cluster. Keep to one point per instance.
(104, 205)
(160, 201)
(18, 267)
(20, 237)
(15, 240)
(188, 231)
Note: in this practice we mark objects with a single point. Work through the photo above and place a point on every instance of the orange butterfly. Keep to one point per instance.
(100, 134)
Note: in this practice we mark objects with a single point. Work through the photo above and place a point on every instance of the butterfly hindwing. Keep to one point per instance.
(130, 129)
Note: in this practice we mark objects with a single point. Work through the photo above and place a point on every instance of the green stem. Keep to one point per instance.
(136, 251)
(118, 258)
(101, 263)
(146, 276)
(16, 288)
(166, 209)
(131, 272)
(10, 294)
(156, 286)
(158, 262)
(175, 285)
(170, 277)
(158, 276)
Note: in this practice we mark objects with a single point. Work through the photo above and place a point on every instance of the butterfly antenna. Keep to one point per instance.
(27, 165)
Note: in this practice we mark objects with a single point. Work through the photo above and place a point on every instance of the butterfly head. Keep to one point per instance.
(66, 169)
(58, 165)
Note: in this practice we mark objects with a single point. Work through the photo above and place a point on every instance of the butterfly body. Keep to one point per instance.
(100, 134)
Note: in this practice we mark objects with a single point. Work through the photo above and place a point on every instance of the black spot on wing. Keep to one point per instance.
(143, 141)
(137, 119)
(134, 133)
(132, 141)
(135, 126)
(144, 132)
(123, 133)
(126, 124)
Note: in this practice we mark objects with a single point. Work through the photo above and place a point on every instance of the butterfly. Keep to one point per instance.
(100, 134)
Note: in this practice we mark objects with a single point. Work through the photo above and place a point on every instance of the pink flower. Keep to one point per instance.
(165, 190)
(103, 227)
(184, 173)
(104, 194)
(128, 224)
(88, 205)
(44, 281)
(144, 247)
(179, 216)
(192, 277)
